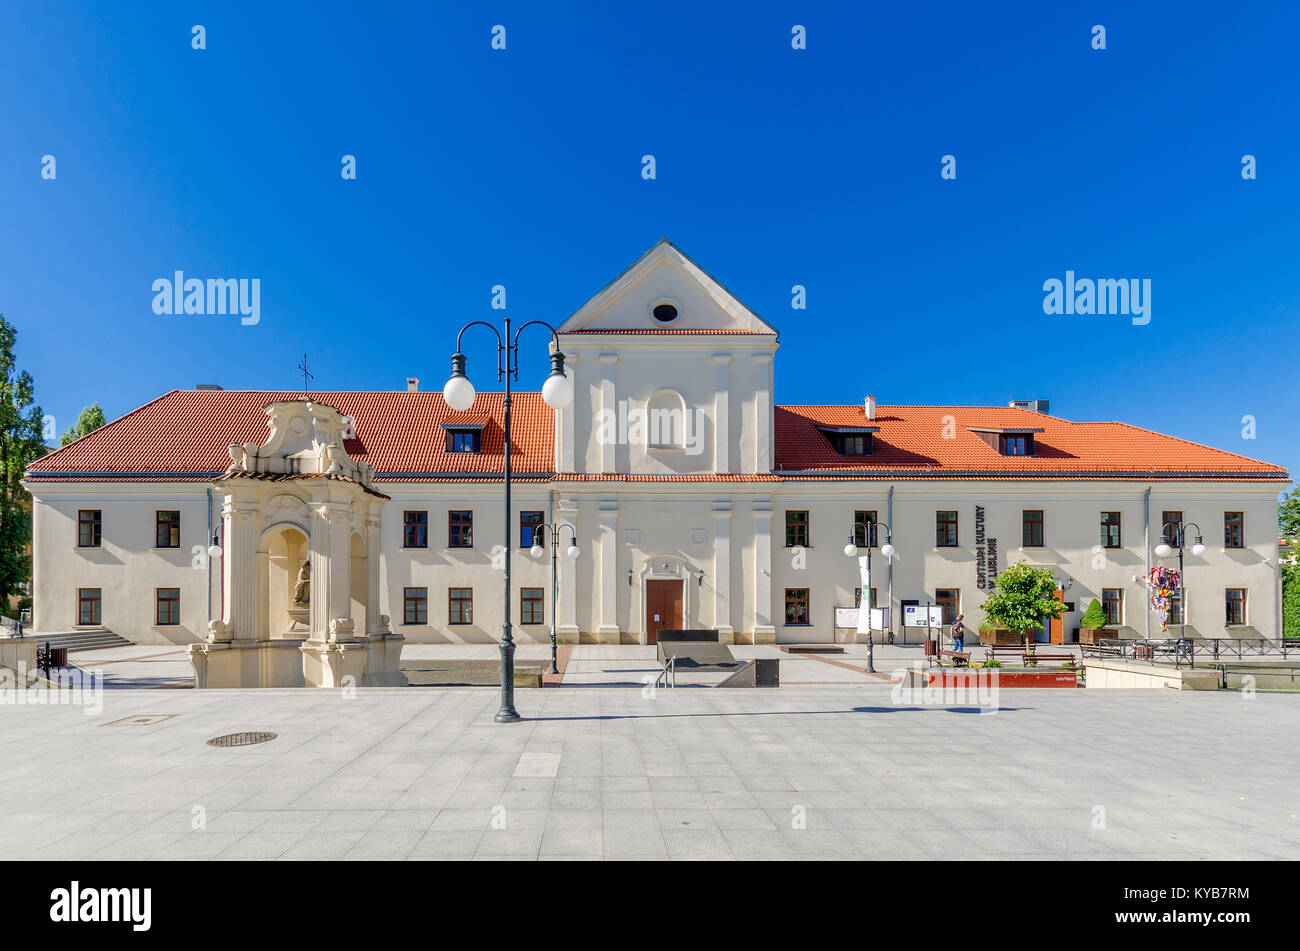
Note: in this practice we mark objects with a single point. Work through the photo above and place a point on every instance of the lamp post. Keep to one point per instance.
(539, 539)
(1177, 533)
(851, 550)
(459, 394)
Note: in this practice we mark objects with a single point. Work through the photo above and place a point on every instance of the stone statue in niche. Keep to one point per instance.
(302, 594)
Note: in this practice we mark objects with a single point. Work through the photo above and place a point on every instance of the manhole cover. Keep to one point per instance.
(241, 739)
(142, 719)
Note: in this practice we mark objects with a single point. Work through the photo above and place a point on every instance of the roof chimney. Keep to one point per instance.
(869, 408)
(206, 386)
(412, 384)
(1037, 406)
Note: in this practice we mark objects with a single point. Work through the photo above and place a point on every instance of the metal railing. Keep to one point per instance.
(670, 670)
(1185, 650)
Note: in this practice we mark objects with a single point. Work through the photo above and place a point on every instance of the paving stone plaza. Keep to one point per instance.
(810, 772)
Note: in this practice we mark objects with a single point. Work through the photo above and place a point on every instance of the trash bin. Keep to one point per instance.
(58, 657)
(931, 647)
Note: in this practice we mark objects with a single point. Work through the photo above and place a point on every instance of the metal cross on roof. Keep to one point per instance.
(306, 374)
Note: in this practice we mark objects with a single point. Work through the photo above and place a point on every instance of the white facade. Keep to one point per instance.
(703, 506)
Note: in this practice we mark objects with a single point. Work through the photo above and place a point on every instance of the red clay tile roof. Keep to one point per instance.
(187, 433)
(184, 435)
(936, 440)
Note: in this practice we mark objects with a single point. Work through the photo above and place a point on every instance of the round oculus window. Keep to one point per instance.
(664, 313)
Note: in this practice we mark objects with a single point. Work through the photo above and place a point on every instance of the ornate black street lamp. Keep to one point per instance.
(459, 394)
(539, 539)
(1176, 533)
(887, 549)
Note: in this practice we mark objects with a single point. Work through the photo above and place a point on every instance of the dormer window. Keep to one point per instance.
(850, 440)
(464, 440)
(853, 444)
(1008, 442)
(1019, 444)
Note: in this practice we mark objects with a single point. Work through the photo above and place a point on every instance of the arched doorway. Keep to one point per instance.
(287, 549)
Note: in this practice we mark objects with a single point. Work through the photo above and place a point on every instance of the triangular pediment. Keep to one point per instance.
(665, 276)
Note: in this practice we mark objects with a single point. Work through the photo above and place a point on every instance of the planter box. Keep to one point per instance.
(1001, 638)
(1094, 635)
(1014, 677)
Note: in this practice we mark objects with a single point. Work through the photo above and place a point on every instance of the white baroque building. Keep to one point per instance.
(695, 499)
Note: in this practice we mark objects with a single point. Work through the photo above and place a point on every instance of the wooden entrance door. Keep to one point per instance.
(663, 608)
(1056, 626)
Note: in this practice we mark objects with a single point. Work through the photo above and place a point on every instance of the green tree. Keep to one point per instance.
(90, 419)
(1094, 617)
(1288, 515)
(21, 441)
(1022, 598)
(1290, 600)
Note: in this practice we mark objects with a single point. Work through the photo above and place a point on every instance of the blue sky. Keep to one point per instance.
(775, 167)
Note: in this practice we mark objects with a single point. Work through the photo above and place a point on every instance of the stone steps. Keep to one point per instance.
(82, 640)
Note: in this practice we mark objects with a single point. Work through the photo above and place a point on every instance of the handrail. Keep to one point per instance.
(670, 665)
(1185, 649)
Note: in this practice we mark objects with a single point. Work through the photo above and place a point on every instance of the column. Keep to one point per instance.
(569, 568)
(722, 412)
(722, 569)
(240, 564)
(608, 629)
(609, 409)
(566, 420)
(764, 632)
(331, 567)
(373, 600)
(763, 413)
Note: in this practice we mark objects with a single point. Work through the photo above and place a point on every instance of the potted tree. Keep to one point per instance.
(1023, 597)
(1092, 627)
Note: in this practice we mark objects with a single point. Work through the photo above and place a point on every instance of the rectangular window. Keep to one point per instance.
(1234, 530)
(460, 605)
(1235, 605)
(857, 598)
(1016, 445)
(796, 529)
(89, 529)
(460, 530)
(167, 529)
(1170, 523)
(859, 534)
(528, 523)
(169, 606)
(1033, 528)
(949, 599)
(415, 603)
(945, 524)
(853, 444)
(531, 606)
(88, 606)
(464, 440)
(796, 605)
(1110, 530)
(1175, 610)
(415, 529)
(1112, 602)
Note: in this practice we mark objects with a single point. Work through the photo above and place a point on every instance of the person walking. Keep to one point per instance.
(958, 631)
